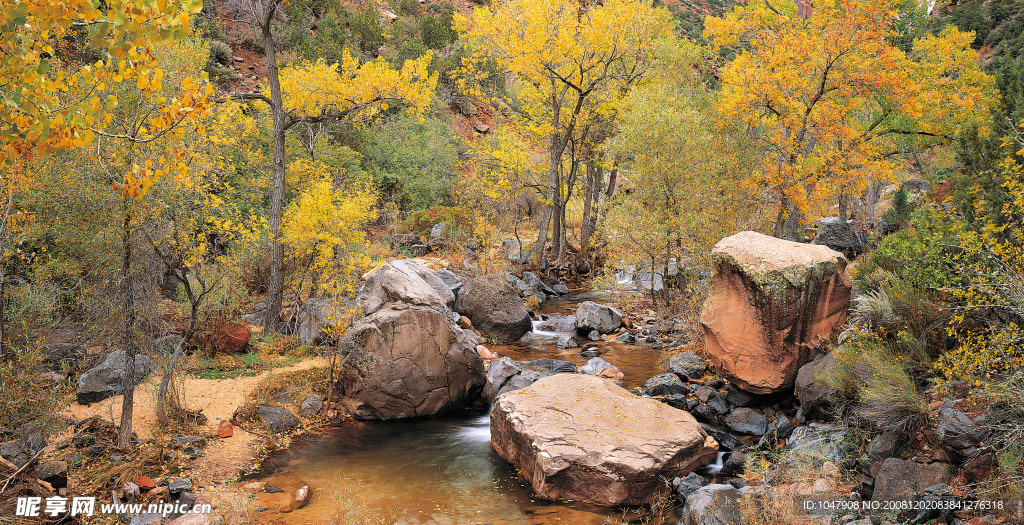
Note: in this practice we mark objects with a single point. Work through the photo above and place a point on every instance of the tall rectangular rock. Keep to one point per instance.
(771, 302)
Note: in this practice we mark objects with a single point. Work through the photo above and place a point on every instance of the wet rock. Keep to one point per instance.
(520, 381)
(412, 357)
(494, 307)
(278, 419)
(717, 403)
(498, 373)
(601, 368)
(590, 352)
(735, 464)
(690, 484)
(687, 366)
(706, 414)
(840, 236)
(714, 504)
(599, 317)
(626, 337)
(311, 405)
(726, 441)
(883, 447)
(664, 385)
(560, 289)
(815, 397)
(558, 434)
(104, 380)
(820, 442)
(551, 366)
(594, 335)
(568, 341)
(781, 428)
(956, 431)
(771, 302)
(562, 323)
(745, 420)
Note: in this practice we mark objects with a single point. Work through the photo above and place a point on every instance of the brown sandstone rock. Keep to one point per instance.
(583, 438)
(224, 429)
(771, 301)
(144, 483)
(412, 357)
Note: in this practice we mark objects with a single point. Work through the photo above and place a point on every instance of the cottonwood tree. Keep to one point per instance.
(572, 62)
(833, 101)
(312, 92)
(48, 103)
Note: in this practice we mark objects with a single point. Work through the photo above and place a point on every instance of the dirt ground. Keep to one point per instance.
(217, 398)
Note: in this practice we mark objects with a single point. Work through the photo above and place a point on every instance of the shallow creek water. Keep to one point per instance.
(442, 470)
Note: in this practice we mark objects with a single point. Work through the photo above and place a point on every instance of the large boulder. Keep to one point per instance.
(771, 303)
(840, 236)
(104, 380)
(714, 504)
(583, 438)
(404, 281)
(593, 316)
(411, 357)
(317, 317)
(494, 307)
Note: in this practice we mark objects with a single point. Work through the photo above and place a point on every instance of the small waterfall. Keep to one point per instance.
(544, 333)
(714, 468)
(477, 431)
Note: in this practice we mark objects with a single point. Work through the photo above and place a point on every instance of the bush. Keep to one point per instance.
(411, 163)
(438, 33)
(216, 64)
(368, 29)
(899, 214)
(873, 376)
(458, 221)
(918, 255)
(26, 396)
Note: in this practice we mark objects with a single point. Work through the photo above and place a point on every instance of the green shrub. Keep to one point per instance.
(411, 163)
(438, 33)
(368, 29)
(874, 375)
(919, 254)
(216, 64)
(458, 221)
(899, 214)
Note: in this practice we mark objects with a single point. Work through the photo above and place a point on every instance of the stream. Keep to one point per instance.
(443, 470)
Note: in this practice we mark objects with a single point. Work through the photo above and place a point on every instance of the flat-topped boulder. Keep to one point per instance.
(771, 303)
(583, 438)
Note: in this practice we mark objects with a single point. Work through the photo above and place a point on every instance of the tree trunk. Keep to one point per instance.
(787, 221)
(542, 234)
(270, 315)
(124, 436)
(588, 201)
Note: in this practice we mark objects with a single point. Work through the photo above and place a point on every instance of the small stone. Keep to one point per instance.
(485, 353)
(185, 441)
(179, 486)
(311, 405)
(626, 337)
(594, 335)
(144, 483)
(254, 487)
(224, 429)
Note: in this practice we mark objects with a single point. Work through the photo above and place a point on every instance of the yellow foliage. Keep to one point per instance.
(988, 319)
(324, 227)
(48, 105)
(833, 99)
(315, 88)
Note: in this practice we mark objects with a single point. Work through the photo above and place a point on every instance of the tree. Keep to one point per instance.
(686, 170)
(48, 103)
(572, 62)
(313, 92)
(834, 102)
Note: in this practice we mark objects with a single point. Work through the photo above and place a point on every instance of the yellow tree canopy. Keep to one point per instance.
(48, 104)
(834, 99)
(351, 89)
(569, 58)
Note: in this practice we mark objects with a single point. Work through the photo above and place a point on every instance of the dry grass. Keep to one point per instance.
(298, 383)
(788, 479)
